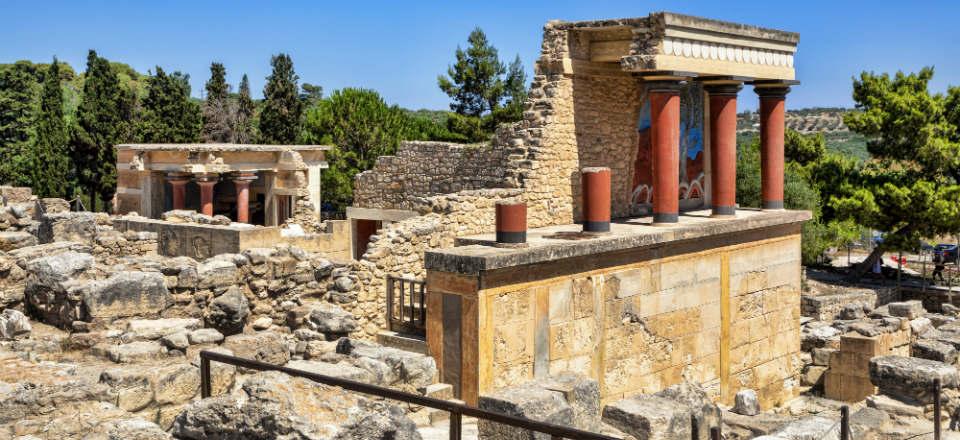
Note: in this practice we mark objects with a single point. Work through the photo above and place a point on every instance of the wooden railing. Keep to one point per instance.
(407, 305)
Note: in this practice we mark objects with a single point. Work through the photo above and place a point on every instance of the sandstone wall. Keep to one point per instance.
(727, 317)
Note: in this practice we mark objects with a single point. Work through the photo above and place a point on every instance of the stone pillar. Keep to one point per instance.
(242, 183)
(665, 131)
(771, 144)
(178, 182)
(723, 148)
(206, 182)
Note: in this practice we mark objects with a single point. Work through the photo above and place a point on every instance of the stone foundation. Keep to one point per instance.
(717, 302)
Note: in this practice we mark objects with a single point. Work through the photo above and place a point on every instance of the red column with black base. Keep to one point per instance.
(242, 184)
(771, 144)
(206, 182)
(596, 199)
(511, 222)
(178, 185)
(665, 137)
(723, 148)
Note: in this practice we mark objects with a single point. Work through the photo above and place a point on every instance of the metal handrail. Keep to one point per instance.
(456, 410)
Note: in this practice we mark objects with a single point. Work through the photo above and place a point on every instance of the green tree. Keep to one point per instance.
(243, 127)
(910, 189)
(217, 110)
(515, 88)
(363, 127)
(282, 108)
(49, 156)
(16, 120)
(310, 94)
(102, 122)
(169, 116)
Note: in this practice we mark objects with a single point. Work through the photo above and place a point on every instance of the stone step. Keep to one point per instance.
(411, 343)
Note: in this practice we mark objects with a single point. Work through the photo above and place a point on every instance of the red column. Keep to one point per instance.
(596, 199)
(242, 183)
(723, 148)
(511, 220)
(206, 183)
(665, 131)
(178, 183)
(771, 144)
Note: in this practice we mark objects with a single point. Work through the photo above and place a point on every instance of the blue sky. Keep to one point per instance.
(398, 48)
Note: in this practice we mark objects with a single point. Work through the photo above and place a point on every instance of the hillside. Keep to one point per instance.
(826, 120)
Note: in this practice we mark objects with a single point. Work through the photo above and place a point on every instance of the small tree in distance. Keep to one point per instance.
(282, 108)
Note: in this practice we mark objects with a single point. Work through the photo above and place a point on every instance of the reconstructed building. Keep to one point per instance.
(259, 184)
(634, 120)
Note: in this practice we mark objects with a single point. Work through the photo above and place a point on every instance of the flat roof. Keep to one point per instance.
(201, 147)
(475, 253)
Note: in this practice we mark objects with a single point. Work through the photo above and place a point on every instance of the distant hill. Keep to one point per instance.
(826, 120)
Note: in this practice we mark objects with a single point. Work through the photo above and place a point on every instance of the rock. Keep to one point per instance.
(868, 422)
(10, 240)
(215, 273)
(330, 318)
(221, 375)
(134, 351)
(228, 312)
(695, 398)
(67, 226)
(807, 428)
(950, 309)
(150, 329)
(205, 336)
(812, 375)
(581, 393)
(276, 406)
(907, 309)
(344, 284)
(126, 294)
(920, 325)
(894, 406)
(264, 346)
(176, 341)
(340, 370)
(852, 311)
(14, 325)
(821, 356)
(911, 378)
(529, 401)
(262, 323)
(649, 417)
(176, 384)
(415, 369)
(746, 403)
(819, 336)
(131, 386)
(60, 267)
(934, 350)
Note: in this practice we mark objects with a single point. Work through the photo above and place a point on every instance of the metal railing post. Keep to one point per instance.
(455, 425)
(844, 422)
(694, 427)
(715, 433)
(205, 388)
(389, 302)
(937, 388)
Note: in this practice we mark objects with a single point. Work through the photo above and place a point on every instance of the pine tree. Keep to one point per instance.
(515, 92)
(243, 121)
(474, 81)
(16, 115)
(101, 122)
(280, 117)
(217, 109)
(49, 159)
(169, 116)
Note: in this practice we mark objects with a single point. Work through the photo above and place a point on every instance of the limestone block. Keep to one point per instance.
(264, 346)
(131, 386)
(340, 370)
(649, 417)
(150, 329)
(528, 401)
(908, 309)
(746, 403)
(134, 352)
(911, 378)
(175, 384)
(126, 294)
(205, 336)
(934, 350)
(812, 375)
(10, 240)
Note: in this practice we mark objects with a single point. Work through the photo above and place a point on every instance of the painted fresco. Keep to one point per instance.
(691, 152)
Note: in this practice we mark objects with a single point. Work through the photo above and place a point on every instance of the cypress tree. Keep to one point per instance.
(169, 116)
(16, 115)
(101, 121)
(280, 117)
(217, 111)
(49, 160)
(243, 123)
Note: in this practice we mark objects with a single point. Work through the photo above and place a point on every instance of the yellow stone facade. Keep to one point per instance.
(724, 313)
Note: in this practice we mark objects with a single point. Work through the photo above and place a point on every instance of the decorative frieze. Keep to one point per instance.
(722, 52)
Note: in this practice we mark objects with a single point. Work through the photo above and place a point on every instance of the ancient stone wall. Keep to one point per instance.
(724, 316)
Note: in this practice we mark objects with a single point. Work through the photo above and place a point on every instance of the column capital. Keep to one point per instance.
(201, 178)
(176, 177)
(668, 86)
(243, 176)
(732, 89)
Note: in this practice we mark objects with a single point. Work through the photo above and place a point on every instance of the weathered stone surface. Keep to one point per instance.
(807, 428)
(150, 329)
(134, 351)
(67, 226)
(527, 400)
(221, 375)
(277, 406)
(813, 375)
(265, 347)
(131, 386)
(176, 341)
(894, 406)
(10, 240)
(340, 370)
(746, 403)
(581, 393)
(176, 384)
(695, 398)
(262, 323)
(205, 336)
(330, 318)
(934, 350)
(14, 325)
(228, 312)
(911, 378)
(821, 356)
(907, 309)
(649, 417)
(217, 273)
(126, 294)
(413, 368)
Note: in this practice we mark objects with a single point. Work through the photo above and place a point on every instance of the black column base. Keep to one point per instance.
(593, 226)
(773, 204)
(662, 217)
(511, 237)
